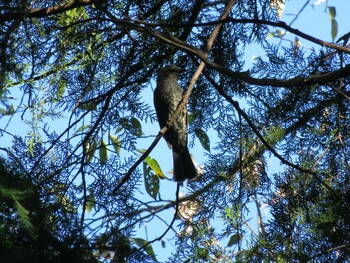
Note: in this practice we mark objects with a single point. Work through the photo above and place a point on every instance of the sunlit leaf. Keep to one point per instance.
(270, 35)
(115, 142)
(151, 181)
(103, 152)
(279, 6)
(141, 243)
(332, 12)
(90, 202)
(153, 164)
(203, 138)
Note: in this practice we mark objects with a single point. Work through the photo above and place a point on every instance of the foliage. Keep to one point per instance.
(76, 75)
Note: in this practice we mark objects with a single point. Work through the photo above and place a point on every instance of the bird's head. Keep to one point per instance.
(171, 71)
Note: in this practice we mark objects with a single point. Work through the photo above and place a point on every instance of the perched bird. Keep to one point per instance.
(167, 96)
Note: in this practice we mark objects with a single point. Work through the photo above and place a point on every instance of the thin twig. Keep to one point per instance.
(171, 223)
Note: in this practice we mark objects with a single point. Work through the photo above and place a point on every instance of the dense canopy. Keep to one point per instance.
(76, 78)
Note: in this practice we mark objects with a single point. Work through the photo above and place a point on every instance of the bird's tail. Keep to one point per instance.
(183, 166)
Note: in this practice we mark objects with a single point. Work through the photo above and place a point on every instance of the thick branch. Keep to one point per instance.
(47, 11)
(245, 76)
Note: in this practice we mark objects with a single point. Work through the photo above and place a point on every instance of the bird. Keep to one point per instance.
(166, 97)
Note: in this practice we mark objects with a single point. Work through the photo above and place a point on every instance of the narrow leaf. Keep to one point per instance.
(90, 202)
(203, 138)
(90, 150)
(23, 215)
(62, 83)
(141, 243)
(81, 128)
(103, 152)
(87, 105)
(116, 143)
(334, 31)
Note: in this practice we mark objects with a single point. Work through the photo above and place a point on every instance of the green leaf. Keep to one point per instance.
(81, 128)
(90, 150)
(190, 117)
(90, 202)
(334, 30)
(332, 12)
(103, 152)
(141, 243)
(16, 197)
(234, 239)
(133, 125)
(151, 181)
(23, 215)
(274, 134)
(116, 143)
(136, 127)
(62, 83)
(153, 164)
(87, 105)
(203, 138)
(202, 253)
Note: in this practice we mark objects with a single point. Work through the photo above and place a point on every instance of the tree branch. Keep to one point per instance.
(235, 104)
(279, 24)
(245, 76)
(47, 11)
